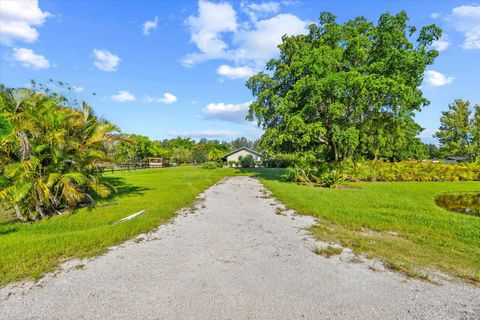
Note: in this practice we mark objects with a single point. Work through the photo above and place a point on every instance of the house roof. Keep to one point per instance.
(243, 148)
(457, 158)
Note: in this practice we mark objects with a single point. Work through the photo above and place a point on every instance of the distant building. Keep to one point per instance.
(242, 152)
(455, 159)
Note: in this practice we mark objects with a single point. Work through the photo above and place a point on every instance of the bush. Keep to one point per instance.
(410, 171)
(308, 171)
(247, 161)
(52, 153)
(210, 165)
(232, 163)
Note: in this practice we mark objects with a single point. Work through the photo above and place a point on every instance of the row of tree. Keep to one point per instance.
(134, 148)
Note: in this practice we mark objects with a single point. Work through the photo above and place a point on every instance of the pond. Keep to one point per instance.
(467, 203)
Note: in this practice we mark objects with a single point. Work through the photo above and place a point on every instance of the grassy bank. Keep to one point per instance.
(29, 250)
(396, 222)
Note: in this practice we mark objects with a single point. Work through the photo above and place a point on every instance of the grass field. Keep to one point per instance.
(29, 250)
(395, 222)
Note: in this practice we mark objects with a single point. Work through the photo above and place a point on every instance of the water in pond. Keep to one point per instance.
(468, 203)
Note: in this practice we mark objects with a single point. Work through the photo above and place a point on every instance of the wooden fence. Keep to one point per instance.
(131, 166)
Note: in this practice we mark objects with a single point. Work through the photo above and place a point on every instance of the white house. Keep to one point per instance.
(242, 152)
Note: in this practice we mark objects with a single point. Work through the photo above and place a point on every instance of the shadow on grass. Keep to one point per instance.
(8, 228)
(263, 173)
(122, 189)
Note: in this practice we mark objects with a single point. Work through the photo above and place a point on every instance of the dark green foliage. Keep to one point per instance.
(5, 127)
(432, 151)
(134, 148)
(309, 170)
(346, 90)
(246, 161)
(244, 142)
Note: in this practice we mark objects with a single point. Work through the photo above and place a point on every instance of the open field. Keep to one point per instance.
(29, 250)
(396, 222)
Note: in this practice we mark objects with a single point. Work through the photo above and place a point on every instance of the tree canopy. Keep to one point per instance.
(345, 90)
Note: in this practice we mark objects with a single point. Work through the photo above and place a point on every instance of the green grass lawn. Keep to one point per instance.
(29, 250)
(396, 222)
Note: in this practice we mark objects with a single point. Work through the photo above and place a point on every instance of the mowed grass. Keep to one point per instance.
(396, 222)
(30, 250)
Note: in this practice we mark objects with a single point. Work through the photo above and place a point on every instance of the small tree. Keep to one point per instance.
(459, 132)
(181, 155)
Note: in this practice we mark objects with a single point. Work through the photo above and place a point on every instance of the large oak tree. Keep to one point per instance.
(345, 90)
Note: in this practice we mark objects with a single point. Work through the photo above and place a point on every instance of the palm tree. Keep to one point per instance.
(52, 154)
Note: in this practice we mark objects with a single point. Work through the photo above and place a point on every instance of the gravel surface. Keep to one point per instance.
(238, 256)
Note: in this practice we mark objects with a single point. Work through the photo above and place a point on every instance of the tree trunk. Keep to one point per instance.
(40, 210)
(18, 213)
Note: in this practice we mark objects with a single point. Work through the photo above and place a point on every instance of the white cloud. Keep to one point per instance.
(18, 20)
(227, 111)
(105, 60)
(149, 25)
(254, 10)
(235, 72)
(123, 96)
(427, 133)
(251, 42)
(260, 43)
(441, 44)
(30, 59)
(77, 89)
(209, 133)
(437, 79)
(213, 19)
(435, 15)
(472, 39)
(466, 19)
(166, 98)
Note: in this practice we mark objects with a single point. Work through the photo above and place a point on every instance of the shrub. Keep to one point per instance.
(332, 178)
(308, 170)
(312, 172)
(210, 165)
(232, 163)
(411, 171)
(247, 161)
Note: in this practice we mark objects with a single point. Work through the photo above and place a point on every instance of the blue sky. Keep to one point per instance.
(168, 68)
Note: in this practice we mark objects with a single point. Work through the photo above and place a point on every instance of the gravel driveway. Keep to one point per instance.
(237, 257)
